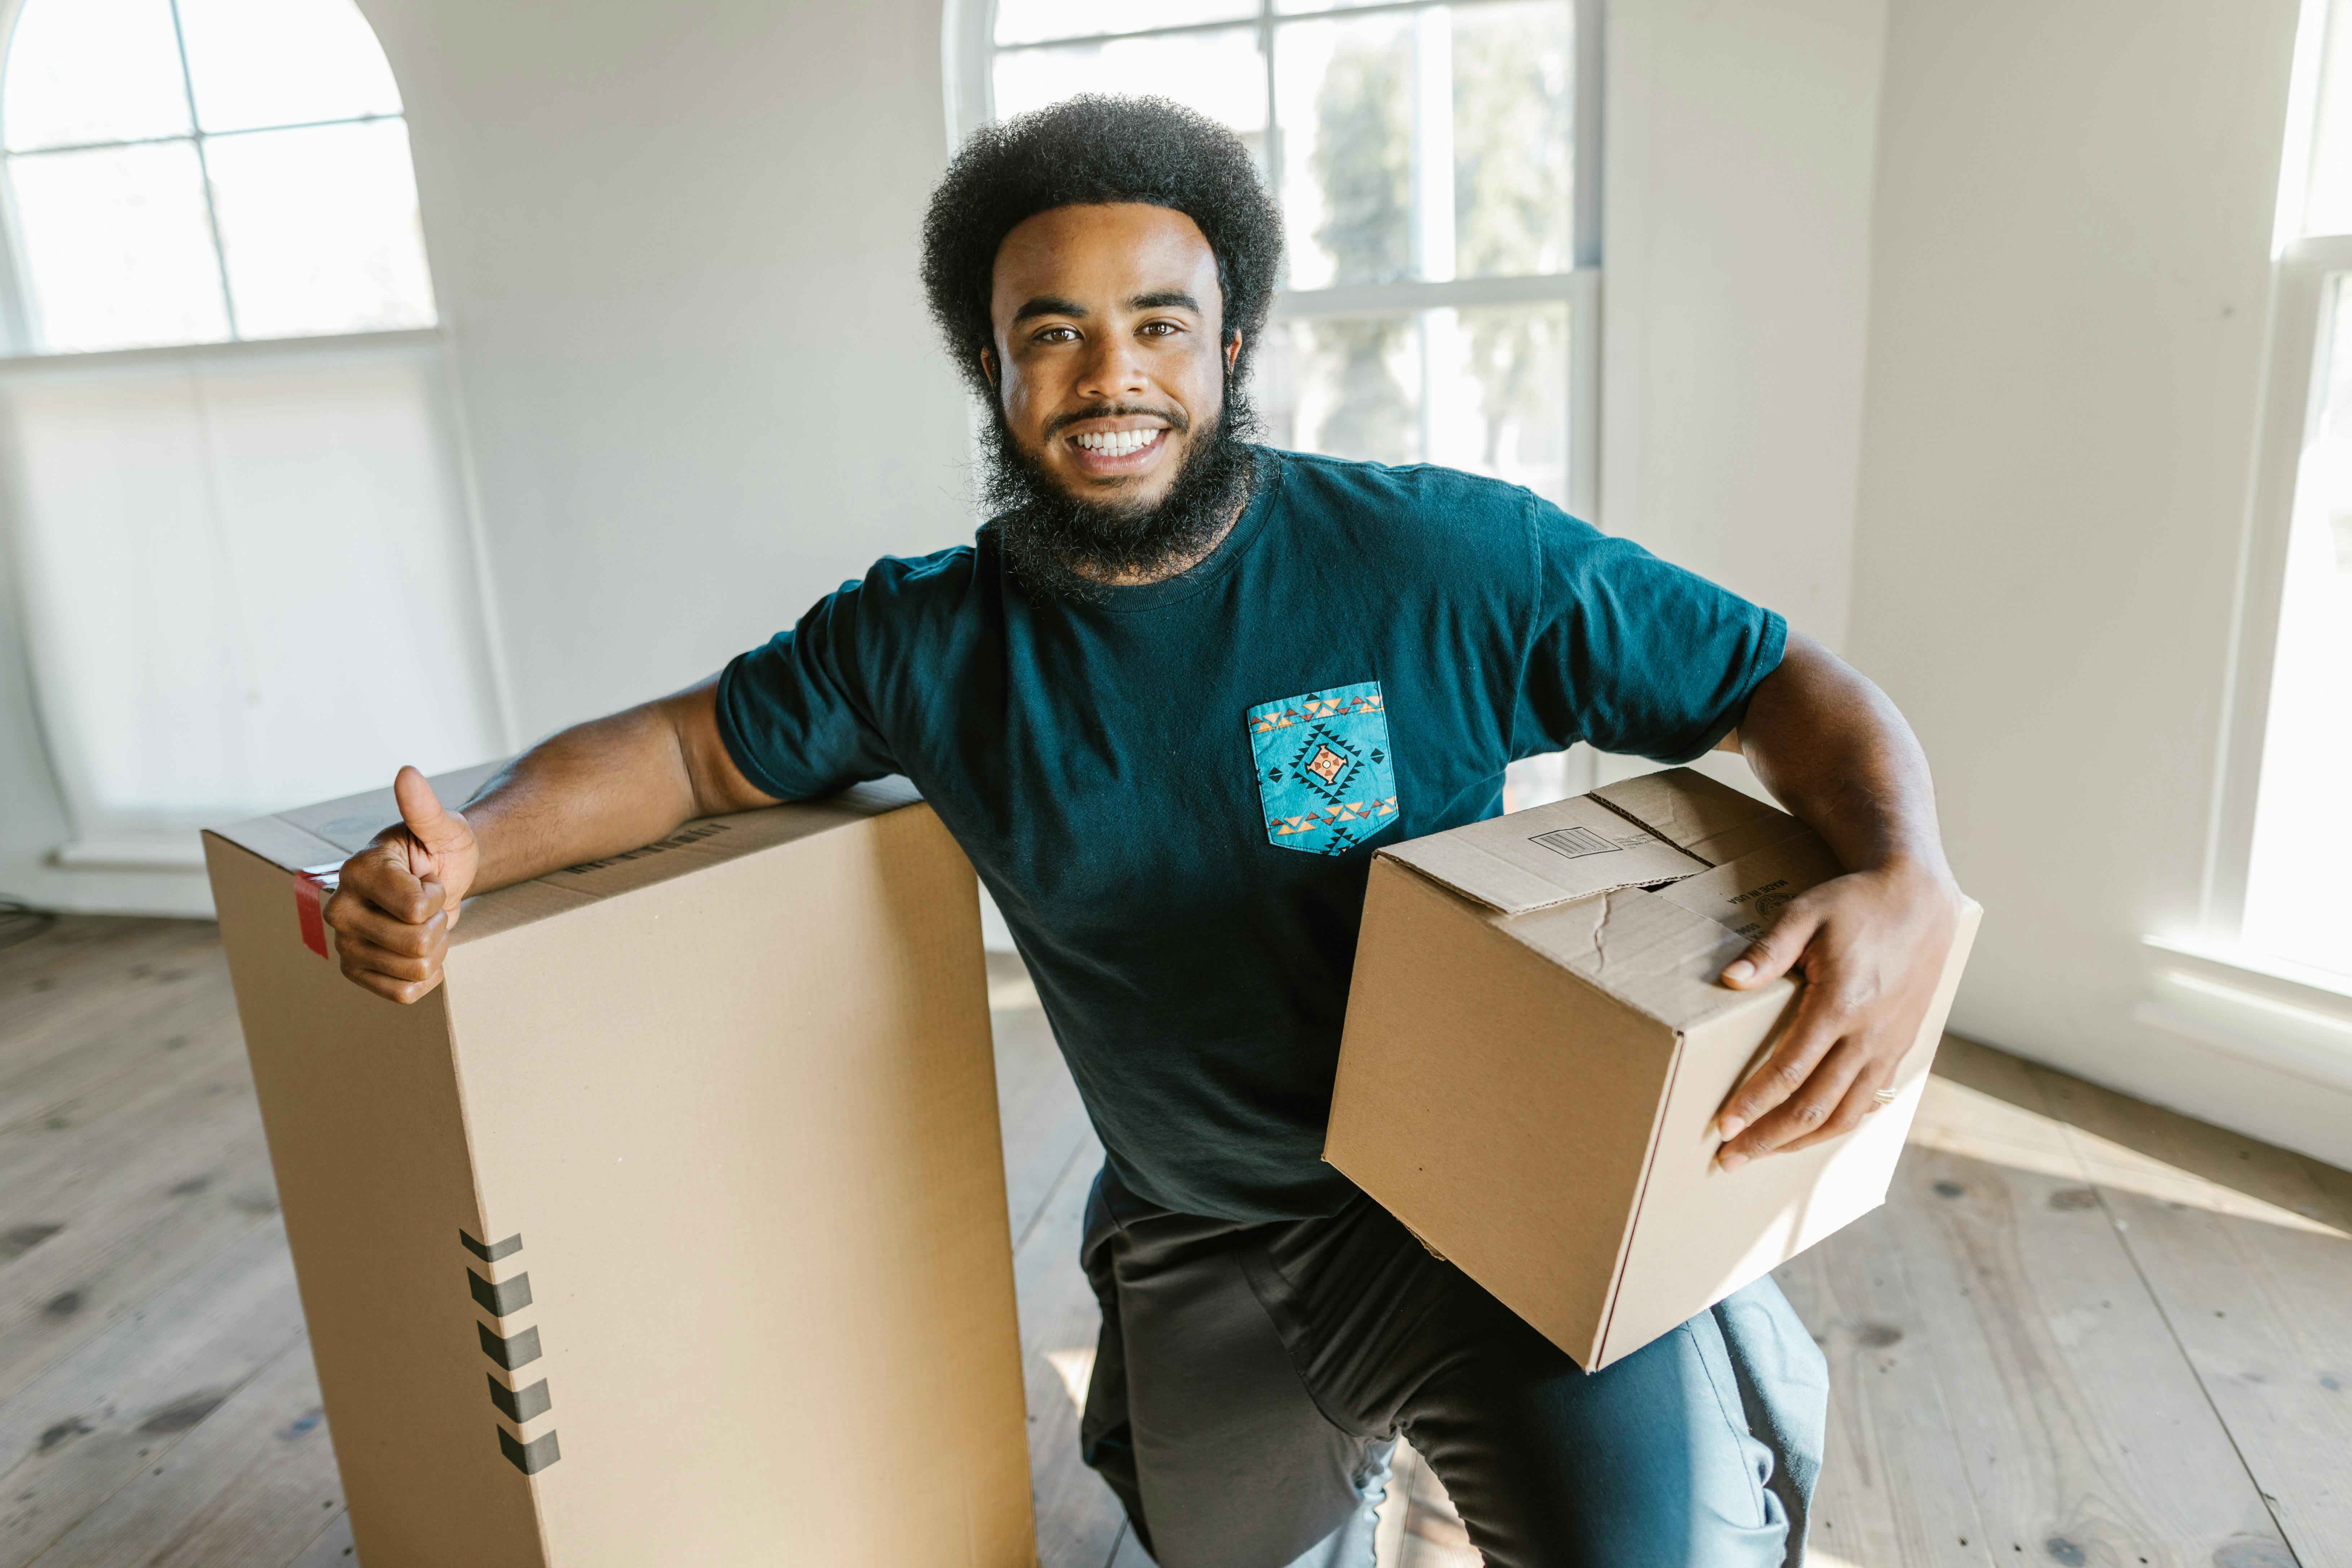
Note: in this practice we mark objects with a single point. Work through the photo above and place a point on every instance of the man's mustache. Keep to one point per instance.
(1174, 417)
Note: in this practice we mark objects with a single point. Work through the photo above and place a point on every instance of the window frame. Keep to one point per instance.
(20, 335)
(969, 50)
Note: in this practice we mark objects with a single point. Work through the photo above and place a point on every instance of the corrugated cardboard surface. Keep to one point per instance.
(1531, 1082)
(731, 1104)
(360, 1100)
(1518, 1162)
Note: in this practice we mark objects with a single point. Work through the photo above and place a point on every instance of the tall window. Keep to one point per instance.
(1438, 295)
(202, 170)
(219, 191)
(2293, 765)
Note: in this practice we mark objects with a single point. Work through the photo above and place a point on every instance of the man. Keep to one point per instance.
(1074, 694)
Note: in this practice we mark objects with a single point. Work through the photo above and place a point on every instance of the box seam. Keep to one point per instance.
(1640, 1197)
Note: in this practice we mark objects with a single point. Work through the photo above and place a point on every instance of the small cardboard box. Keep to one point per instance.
(669, 1229)
(1537, 1047)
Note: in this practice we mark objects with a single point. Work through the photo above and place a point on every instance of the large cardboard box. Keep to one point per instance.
(671, 1228)
(1537, 1048)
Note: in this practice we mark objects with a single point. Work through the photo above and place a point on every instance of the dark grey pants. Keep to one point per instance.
(1252, 1379)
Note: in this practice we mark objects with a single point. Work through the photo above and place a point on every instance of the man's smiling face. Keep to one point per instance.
(1110, 357)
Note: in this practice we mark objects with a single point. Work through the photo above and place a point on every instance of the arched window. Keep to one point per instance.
(225, 401)
(204, 171)
(1438, 169)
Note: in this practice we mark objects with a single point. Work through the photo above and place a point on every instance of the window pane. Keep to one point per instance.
(283, 63)
(1482, 388)
(1343, 96)
(92, 70)
(1028, 21)
(118, 248)
(1514, 139)
(2327, 187)
(321, 231)
(1220, 73)
(1431, 144)
(2295, 907)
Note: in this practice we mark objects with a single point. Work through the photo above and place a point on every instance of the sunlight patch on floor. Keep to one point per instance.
(1960, 1120)
(1076, 1368)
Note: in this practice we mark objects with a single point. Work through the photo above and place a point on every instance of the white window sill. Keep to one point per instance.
(2277, 1015)
(133, 852)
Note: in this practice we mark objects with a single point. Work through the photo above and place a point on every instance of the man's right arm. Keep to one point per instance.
(582, 794)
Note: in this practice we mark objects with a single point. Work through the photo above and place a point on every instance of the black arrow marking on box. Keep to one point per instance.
(529, 1457)
(521, 1404)
(519, 1350)
(502, 1300)
(496, 1250)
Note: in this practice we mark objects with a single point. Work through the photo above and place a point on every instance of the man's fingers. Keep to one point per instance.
(401, 991)
(1807, 1038)
(380, 875)
(363, 958)
(422, 810)
(1771, 955)
(354, 918)
(1861, 1102)
(1810, 1110)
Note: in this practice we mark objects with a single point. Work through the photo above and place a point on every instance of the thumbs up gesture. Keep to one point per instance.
(398, 898)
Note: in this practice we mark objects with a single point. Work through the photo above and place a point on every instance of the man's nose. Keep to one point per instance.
(1113, 369)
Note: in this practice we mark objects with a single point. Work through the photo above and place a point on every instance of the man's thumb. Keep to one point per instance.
(1771, 955)
(421, 808)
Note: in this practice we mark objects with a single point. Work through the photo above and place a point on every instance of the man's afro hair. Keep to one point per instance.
(1084, 151)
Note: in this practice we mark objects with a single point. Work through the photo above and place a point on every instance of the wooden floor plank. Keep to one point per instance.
(1043, 1121)
(1078, 1518)
(2084, 1431)
(253, 1483)
(332, 1548)
(71, 1021)
(191, 1188)
(80, 1434)
(1889, 1424)
(2258, 1293)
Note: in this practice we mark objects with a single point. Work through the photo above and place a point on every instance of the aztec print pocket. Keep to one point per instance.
(1324, 772)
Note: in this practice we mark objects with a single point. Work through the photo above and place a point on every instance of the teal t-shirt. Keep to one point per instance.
(1174, 795)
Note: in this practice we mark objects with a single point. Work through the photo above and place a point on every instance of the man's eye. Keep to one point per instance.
(1161, 329)
(1057, 335)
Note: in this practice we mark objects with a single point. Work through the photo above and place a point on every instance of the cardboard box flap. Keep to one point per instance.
(1657, 957)
(1745, 894)
(1693, 812)
(310, 836)
(1545, 855)
(321, 837)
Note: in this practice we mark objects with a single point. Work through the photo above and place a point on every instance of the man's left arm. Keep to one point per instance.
(1870, 944)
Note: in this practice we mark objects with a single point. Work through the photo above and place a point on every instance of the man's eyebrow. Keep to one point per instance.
(1162, 299)
(1048, 305)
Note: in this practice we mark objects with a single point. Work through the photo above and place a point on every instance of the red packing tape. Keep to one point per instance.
(306, 910)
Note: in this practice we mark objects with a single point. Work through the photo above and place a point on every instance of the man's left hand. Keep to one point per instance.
(1870, 947)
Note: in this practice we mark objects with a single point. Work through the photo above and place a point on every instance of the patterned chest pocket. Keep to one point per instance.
(1325, 774)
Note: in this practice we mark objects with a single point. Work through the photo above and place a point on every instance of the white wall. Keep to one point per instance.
(676, 249)
(2072, 264)
(1735, 290)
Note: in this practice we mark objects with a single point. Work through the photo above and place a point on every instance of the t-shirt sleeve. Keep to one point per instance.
(1632, 654)
(795, 711)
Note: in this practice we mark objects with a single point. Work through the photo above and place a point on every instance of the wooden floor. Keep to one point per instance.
(2082, 1331)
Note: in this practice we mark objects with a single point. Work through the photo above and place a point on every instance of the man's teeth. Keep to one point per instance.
(1117, 443)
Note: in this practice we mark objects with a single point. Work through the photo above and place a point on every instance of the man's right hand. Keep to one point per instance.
(398, 898)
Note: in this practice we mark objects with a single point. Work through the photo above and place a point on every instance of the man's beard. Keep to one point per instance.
(1063, 547)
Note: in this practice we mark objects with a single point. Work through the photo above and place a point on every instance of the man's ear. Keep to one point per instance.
(988, 365)
(1232, 350)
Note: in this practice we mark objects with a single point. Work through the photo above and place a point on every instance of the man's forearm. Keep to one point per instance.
(1835, 752)
(602, 787)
